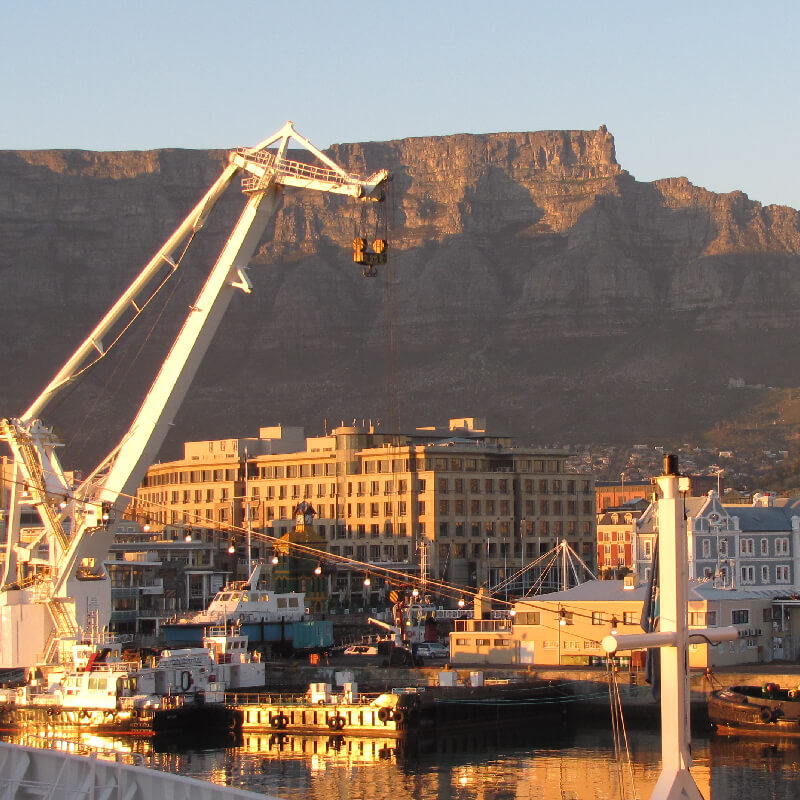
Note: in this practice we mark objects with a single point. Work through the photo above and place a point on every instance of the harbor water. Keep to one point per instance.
(558, 763)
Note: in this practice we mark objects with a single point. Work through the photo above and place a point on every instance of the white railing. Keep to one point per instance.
(29, 773)
(288, 168)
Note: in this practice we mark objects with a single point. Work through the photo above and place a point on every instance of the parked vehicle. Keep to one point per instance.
(432, 650)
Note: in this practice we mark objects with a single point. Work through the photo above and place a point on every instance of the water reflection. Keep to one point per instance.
(555, 763)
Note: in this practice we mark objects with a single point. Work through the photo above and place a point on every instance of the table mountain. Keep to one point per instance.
(531, 280)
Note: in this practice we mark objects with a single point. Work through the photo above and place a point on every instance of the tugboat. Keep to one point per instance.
(766, 709)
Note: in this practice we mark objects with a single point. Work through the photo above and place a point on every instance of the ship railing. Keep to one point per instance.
(237, 698)
(115, 666)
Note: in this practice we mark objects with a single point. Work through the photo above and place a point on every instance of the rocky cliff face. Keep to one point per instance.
(531, 280)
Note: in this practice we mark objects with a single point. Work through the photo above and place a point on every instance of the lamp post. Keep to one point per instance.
(247, 512)
(622, 489)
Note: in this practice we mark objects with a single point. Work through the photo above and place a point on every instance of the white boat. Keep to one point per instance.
(263, 616)
(183, 692)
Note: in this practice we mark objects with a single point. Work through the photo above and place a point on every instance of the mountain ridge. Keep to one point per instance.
(531, 280)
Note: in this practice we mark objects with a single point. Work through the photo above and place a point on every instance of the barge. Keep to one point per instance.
(401, 711)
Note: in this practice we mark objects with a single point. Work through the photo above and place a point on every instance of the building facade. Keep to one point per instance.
(567, 628)
(617, 540)
(455, 504)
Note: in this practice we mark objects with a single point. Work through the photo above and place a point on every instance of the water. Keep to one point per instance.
(513, 764)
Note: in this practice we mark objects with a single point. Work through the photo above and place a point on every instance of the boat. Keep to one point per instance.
(264, 617)
(405, 711)
(765, 709)
(180, 693)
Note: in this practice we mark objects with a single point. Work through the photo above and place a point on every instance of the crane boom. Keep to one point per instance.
(44, 572)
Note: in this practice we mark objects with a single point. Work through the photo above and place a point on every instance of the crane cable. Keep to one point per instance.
(78, 438)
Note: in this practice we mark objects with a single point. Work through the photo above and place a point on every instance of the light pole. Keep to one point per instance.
(622, 489)
(247, 511)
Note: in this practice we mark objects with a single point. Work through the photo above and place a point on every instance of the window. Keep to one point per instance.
(598, 618)
(746, 547)
(782, 574)
(702, 619)
(748, 574)
(765, 547)
(765, 574)
(740, 617)
(528, 618)
(782, 546)
(723, 547)
(630, 618)
(706, 548)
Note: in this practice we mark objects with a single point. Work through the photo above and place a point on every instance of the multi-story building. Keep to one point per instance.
(455, 504)
(617, 540)
(154, 577)
(736, 546)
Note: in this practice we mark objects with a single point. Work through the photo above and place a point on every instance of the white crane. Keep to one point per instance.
(53, 582)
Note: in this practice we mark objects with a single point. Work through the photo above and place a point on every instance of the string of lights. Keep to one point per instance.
(394, 577)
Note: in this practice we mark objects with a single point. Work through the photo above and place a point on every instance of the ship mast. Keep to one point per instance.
(676, 781)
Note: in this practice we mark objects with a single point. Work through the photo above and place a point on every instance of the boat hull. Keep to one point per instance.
(212, 720)
(432, 709)
(747, 709)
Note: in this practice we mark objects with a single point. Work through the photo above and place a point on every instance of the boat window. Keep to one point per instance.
(294, 602)
(235, 596)
(225, 596)
(245, 597)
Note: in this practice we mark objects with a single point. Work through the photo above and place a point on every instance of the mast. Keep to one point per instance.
(675, 782)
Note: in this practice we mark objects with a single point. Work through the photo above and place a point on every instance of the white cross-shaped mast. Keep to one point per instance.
(676, 781)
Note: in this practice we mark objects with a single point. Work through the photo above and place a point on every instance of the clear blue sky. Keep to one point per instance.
(708, 90)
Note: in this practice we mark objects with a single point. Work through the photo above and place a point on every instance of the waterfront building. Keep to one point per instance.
(154, 577)
(567, 627)
(457, 504)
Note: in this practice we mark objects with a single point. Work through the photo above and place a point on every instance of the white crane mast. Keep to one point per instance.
(52, 577)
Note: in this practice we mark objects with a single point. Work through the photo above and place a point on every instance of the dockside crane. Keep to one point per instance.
(53, 586)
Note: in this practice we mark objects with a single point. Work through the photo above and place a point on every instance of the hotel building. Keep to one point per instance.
(455, 504)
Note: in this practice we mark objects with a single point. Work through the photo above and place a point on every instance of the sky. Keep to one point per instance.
(702, 89)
